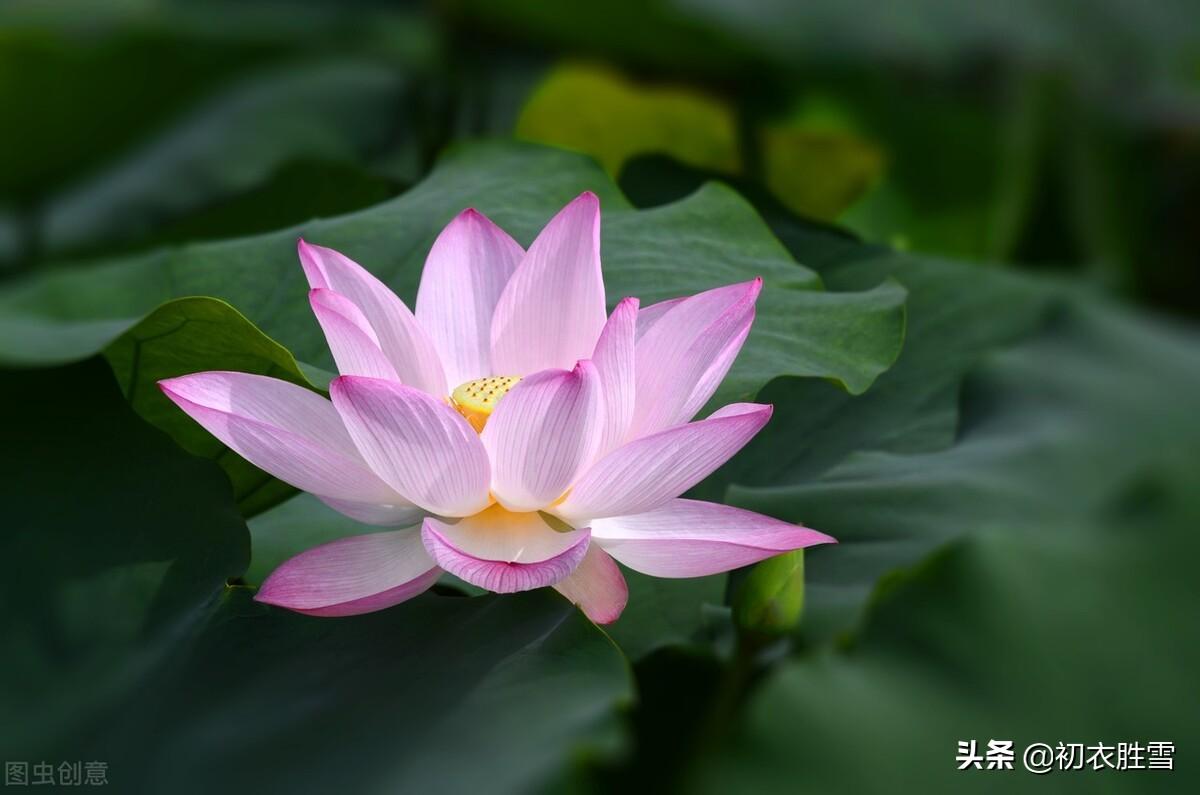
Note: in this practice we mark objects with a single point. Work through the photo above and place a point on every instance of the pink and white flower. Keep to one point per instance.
(519, 436)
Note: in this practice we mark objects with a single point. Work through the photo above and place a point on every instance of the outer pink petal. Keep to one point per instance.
(402, 340)
(359, 574)
(648, 472)
(684, 355)
(541, 434)
(351, 339)
(466, 271)
(292, 433)
(614, 360)
(505, 553)
(688, 538)
(552, 310)
(419, 445)
(597, 587)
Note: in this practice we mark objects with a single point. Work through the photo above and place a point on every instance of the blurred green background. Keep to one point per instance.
(991, 403)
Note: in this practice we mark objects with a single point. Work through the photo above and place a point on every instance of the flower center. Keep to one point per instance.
(476, 400)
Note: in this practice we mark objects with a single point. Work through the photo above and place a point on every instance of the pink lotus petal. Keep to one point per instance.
(614, 360)
(466, 270)
(381, 515)
(351, 339)
(292, 433)
(504, 552)
(552, 309)
(649, 315)
(403, 341)
(684, 355)
(359, 574)
(541, 434)
(597, 587)
(689, 538)
(419, 445)
(648, 472)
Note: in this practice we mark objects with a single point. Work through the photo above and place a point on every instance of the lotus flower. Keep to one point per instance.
(520, 436)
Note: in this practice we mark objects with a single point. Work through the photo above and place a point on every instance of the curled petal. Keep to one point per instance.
(420, 446)
(359, 574)
(351, 339)
(685, 353)
(288, 431)
(646, 473)
(402, 340)
(689, 538)
(552, 309)
(504, 552)
(597, 587)
(541, 434)
(466, 271)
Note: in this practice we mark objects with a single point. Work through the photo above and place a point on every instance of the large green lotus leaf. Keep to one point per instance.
(710, 238)
(125, 644)
(336, 111)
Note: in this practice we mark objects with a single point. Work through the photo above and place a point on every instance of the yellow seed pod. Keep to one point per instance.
(476, 399)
